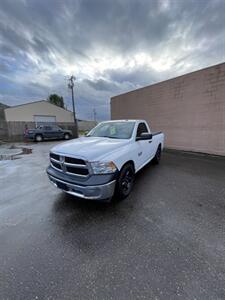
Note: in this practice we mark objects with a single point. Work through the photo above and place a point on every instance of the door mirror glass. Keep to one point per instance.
(144, 136)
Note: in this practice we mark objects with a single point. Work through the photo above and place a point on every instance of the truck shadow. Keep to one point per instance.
(80, 223)
(69, 203)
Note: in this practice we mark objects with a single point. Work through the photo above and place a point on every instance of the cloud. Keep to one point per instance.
(110, 46)
(101, 85)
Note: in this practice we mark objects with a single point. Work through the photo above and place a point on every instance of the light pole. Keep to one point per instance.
(71, 86)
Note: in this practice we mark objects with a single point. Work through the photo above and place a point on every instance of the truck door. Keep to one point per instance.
(49, 133)
(144, 146)
(58, 132)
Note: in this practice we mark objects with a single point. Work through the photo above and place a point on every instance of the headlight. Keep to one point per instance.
(103, 167)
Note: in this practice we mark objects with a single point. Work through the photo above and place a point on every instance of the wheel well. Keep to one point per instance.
(159, 147)
(39, 134)
(128, 162)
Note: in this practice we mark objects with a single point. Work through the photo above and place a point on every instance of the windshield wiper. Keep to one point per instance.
(111, 137)
(105, 136)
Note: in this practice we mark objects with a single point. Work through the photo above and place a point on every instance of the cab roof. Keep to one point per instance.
(125, 120)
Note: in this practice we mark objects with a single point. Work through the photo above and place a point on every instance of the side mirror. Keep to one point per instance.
(144, 136)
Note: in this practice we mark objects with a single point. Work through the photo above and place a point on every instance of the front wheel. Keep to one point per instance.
(125, 181)
(38, 138)
(66, 136)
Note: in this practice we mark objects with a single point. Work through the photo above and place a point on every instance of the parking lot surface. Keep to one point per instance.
(165, 241)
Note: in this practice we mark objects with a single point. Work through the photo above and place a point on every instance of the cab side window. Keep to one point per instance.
(142, 128)
(48, 128)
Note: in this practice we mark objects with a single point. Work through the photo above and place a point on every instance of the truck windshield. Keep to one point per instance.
(113, 130)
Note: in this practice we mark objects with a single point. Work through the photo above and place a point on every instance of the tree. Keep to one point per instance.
(56, 99)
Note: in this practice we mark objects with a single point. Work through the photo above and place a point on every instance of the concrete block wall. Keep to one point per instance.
(189, 109)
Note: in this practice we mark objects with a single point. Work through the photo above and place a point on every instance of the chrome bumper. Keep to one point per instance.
(95, 192)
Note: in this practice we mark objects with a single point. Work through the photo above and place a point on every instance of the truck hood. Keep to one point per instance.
(89, 148)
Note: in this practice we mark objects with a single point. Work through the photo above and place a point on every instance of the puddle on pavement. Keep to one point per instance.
(12, 152)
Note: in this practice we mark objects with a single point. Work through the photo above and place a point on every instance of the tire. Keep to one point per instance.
(125, 181)
(66, 136)
(38, 138)
(157, 156)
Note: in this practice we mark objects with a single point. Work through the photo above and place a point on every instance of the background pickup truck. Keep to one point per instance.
(104, 162)
(47, 132)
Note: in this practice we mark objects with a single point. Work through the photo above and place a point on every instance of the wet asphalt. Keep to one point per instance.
(165, 241)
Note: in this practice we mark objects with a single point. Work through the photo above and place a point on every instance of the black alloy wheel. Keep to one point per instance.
(157, 156)
(125, 181)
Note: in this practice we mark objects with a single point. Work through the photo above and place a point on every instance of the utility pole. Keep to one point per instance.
(71, 86)
(94, 113)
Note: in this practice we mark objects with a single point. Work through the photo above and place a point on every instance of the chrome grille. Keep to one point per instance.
(69, 165)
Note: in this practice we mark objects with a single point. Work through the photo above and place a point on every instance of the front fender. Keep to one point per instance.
(122, 156)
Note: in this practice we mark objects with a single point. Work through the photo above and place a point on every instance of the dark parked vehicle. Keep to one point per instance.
(47, 132)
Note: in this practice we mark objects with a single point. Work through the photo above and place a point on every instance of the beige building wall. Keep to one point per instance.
(189, 109)
(26, 112)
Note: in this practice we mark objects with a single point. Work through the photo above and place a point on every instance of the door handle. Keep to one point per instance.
(150, 141)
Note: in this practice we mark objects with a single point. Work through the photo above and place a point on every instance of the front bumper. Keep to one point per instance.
(93, 192)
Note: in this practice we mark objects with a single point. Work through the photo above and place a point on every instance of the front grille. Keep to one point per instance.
(72, 160)
(79, 171)
(54, 156)
(56, 165)
(69, 165)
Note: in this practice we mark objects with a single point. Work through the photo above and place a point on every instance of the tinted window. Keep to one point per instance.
(48, 128)
(56, 128)
(141, 129)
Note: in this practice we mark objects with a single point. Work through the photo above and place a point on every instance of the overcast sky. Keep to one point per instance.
(111, 46)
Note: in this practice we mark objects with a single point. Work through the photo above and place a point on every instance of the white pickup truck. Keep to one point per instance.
(104, 162)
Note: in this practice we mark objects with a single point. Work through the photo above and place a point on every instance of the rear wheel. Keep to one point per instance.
(125, 181)
(157, 156)
(38, 138)
(66, 136)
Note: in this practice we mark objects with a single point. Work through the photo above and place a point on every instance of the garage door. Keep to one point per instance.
(44, 119)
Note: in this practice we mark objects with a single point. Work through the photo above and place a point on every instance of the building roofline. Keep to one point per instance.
(3, 105)
(170, 79)
(36, 102)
